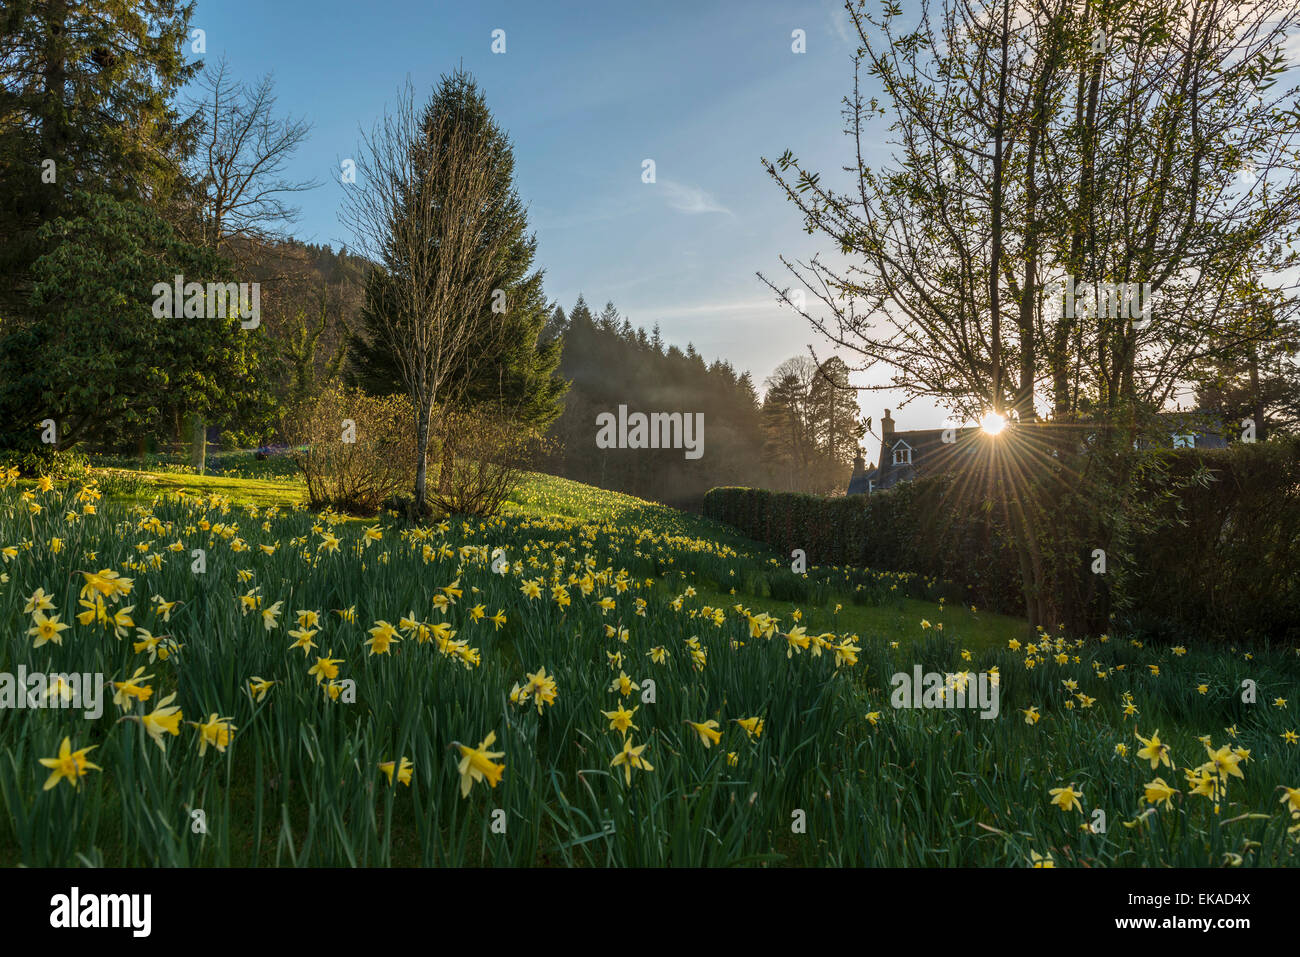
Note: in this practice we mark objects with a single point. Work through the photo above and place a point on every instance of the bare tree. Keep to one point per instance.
(422, 207)
(1038, 140)
(239, 167)
(241, 160)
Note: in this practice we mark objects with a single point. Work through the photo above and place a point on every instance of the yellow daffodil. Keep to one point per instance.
(46, 628)
(620, 719)
(707, 730)
(1153, 750)
(403, 774)
(1067, 798)
(1157, 791)
(216, 732)
(381, 637)
(630, 757)
(476, 764)
(164, 719)
(624, 685)
(70, 765)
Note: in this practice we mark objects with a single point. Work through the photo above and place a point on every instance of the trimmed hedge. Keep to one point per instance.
(1220, 561)
(1227, 561)
(902, 530)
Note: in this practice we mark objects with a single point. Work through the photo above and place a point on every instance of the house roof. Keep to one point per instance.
(860, 484)
(1205, 426)
(929, 452)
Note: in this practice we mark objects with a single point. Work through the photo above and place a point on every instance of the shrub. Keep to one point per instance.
(61, 466)
(354, 450)
(482, 457)
(906, 529)
(1226, 561)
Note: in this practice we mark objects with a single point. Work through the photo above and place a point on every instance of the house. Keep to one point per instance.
(1195, 429)
(903, 454)
(1198, 429)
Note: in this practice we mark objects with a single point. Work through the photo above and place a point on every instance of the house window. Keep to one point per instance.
(903, 455)
(1184, 441)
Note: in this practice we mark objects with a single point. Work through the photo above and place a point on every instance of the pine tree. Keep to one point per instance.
(516, 369)
(556, 326)
(833, 412)
(580, 314)
(609, 317)
(85, 106)
(786, 444)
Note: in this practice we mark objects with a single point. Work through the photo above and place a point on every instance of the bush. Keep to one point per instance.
(906, 529)
(62, 466)
(481, 459)
(353, 449)
(1226, 562)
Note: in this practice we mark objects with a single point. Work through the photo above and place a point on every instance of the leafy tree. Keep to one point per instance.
(1013, 167)
(98, 361)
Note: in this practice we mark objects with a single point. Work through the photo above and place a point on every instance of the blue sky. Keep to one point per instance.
(587, 91)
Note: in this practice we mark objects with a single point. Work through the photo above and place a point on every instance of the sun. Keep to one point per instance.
(992, 423)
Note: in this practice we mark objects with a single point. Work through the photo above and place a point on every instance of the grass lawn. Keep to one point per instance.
(542, 496)
(552, 646)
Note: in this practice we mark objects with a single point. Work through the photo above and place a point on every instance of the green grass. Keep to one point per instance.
(542, 496)
(145, 485)
(299, 783)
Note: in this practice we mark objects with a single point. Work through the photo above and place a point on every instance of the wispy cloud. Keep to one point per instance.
(691, 199)
(839, 18)
(716, 309)
(1291, 49)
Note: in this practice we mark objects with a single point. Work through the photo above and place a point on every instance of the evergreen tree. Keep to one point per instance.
(833, 410)
(109, 367)
(516, 369)
(556, 326)
(609, 317)
(786, 443)
(85, 105)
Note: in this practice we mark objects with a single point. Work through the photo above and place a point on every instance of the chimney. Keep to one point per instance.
(859, 463)
(886, 440)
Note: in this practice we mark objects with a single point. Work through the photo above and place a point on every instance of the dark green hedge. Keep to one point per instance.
(905, 529)
(1227, 561)
(1220, 559)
